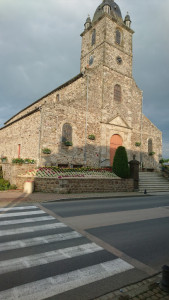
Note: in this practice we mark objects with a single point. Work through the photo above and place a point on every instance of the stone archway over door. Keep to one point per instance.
(115, 142)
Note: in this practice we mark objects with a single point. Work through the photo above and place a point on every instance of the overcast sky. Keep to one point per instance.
(40, 48)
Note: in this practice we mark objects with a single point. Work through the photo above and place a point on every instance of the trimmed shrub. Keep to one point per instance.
(120, 163)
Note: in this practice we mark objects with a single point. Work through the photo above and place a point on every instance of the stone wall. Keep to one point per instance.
(78, 185)
(11, 172)
(24, 132)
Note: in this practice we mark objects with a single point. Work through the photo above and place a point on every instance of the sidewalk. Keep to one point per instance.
(17, 196)
(147, 289)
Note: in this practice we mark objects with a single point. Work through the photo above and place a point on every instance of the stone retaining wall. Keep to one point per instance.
(78, 185)
(11, 171)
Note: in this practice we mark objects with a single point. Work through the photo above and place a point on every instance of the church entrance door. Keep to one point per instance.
(115, 142)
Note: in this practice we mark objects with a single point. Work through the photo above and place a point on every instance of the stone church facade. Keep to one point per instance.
(84, 120)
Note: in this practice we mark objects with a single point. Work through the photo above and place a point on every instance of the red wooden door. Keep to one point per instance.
(115, 142)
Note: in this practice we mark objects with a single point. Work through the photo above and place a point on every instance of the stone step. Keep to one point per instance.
(152, 182)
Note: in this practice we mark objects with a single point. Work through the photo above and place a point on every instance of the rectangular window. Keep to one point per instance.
(58, 97)
(19, 150)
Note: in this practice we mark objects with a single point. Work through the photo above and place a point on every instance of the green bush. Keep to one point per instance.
(4, 184)
(12, 187)
(120, 163)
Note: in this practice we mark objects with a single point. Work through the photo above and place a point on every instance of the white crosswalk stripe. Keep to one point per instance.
(55, 285)
(31, 229)
(47, 257)
(17, 208)
(18, 214)
(26, 220)
(66, 249)
(39, 240)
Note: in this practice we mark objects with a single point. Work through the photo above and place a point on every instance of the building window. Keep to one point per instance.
(118, 37)
(106, 9)
(93, 37)
(117, 93)
(150, 146)
(58, 97)
(91, 59)
(19, 150)
(67, 133)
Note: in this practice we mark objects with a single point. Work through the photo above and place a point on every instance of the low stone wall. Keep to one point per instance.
(78, 185)
(11, 171)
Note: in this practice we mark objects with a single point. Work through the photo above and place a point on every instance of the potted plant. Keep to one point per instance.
(18, 161)
(4, 159)
(91, 137)
(151, 153)
(46, 151)
(137, 144)
(67, 143)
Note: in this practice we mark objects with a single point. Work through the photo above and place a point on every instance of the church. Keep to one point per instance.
(83, 121)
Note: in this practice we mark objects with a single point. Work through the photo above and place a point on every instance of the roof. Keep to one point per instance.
(53, 91)
(115, 10)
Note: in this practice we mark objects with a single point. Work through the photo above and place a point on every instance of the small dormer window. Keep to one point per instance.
(93, 37)
(106, 9)
(118, 37)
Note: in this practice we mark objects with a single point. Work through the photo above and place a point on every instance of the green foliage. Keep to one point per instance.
(151, 153)
(46, 151)
(120, 163)
(67, 143)
(163, 160)
(17, 161)
(1, 173)
(13, 187)
(91, 137)
(29, 161)
(137, 144)
(23, 161)
(4, 184)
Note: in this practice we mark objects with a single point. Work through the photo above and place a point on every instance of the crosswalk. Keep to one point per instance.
(41, 257)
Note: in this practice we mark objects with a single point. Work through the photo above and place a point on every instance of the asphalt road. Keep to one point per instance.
(81, 249)
(111, 220)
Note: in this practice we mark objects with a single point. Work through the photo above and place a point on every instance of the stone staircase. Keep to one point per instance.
(153, 182)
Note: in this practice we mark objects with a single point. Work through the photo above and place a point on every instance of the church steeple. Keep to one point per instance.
(107, 40)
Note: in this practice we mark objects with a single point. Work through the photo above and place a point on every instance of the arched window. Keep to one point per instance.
(117, 93)
(67, 133)
(150, 146)
(118, 37)
(93, 37)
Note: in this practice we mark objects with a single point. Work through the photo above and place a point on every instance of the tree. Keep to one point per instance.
(120, 163)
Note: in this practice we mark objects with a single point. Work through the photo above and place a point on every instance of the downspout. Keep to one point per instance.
(141, 136)
(40, 134)
(86, 122)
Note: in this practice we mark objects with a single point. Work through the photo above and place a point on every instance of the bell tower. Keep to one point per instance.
(107, 40)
